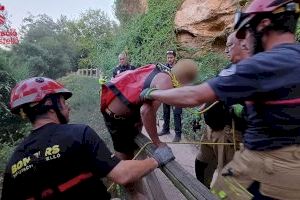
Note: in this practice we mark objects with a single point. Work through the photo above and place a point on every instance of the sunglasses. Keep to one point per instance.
(171, 52)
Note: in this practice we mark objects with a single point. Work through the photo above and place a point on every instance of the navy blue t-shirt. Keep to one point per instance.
(122, 68)
(269, 84)
(59, 161)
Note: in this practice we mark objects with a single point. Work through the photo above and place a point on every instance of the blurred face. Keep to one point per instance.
(171, 59)
(122, 60)
(187, 79)
(185, 71)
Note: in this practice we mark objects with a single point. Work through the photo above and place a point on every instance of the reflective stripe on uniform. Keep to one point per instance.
(74, 181)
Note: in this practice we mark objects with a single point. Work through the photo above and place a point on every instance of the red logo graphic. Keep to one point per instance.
(7, 36)
(2, 18)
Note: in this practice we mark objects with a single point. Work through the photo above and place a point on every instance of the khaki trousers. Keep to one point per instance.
(216, 156)
(277, 171)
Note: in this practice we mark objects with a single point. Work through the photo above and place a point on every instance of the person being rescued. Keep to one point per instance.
(124, 113)
(219, 124)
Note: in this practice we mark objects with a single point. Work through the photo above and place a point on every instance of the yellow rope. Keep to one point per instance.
(177, 84)
(206, 143)
(233, 135)
(143, 148)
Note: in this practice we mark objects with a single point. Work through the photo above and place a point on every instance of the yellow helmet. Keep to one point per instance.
(185, 70)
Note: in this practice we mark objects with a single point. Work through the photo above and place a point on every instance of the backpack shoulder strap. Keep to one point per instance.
(151, 77)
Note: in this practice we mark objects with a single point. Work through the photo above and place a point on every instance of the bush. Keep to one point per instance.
(145, 38)
(6, 149)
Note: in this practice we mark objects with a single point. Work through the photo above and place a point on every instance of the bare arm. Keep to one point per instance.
(128, 171)
(148, 114)
(148, 110)
(188, 96)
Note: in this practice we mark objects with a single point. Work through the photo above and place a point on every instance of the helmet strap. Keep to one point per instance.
(56, 106)
(258, 35)
(257, 46)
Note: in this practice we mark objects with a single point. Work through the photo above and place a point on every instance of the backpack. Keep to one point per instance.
(128, 85)
(218, 116)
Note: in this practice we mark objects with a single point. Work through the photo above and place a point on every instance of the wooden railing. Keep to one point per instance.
(188, 185)
(89, 72)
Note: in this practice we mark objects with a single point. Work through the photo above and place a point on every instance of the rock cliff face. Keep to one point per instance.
(199, 24)
(132, 7)
(204, 23)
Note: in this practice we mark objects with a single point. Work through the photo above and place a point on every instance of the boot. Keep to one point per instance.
(163, 133)
(176, 139)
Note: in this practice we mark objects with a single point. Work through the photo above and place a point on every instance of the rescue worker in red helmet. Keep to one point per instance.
(218, 119)
(59, 160)
(268, 165)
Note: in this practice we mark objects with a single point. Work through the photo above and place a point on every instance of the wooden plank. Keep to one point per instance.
(151, 184)
(155, 189)
(188, 185)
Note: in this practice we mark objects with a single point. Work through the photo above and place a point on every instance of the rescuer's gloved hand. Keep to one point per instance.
(238, 110)
(146, 94)
(163, 155)
(102, 80)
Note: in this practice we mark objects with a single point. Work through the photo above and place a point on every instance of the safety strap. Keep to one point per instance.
(119, 94)
(151, 77)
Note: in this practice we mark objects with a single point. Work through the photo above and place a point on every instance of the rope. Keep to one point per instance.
(143, 148)
(233, 135)
(206, 143)
(177, 84)
(202, 111)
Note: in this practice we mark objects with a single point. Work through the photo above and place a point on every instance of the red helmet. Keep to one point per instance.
(35, 90)
(263, 6)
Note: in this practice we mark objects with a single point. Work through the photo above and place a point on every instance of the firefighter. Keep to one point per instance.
(219, 120)
(268, 165)
(59, 160)
(123, 112)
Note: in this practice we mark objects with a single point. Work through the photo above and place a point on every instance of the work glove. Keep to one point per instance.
(102, 80)
(146, 94)
(163, 155)
(238, 110)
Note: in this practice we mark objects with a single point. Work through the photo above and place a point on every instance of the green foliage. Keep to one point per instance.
(146, 37)
(84, 104)
(210, 65)
(93, 26)
(125, 10)
(6, 150)
(10, 125)
(45, 49)
(298, 31)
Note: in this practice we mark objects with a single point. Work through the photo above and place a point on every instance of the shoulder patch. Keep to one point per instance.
(229, 71)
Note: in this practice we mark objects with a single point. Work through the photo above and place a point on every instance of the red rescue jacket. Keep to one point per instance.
(128, 85)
